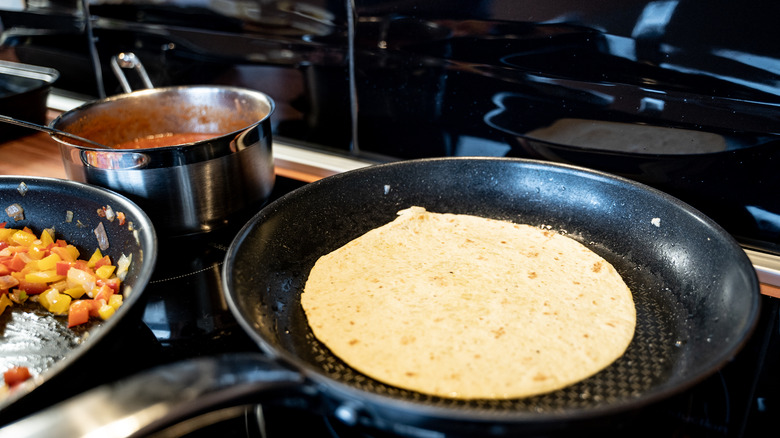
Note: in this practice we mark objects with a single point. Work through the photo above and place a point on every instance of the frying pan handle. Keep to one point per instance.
(160, 397)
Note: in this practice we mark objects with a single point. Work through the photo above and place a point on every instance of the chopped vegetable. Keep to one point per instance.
(110, 215)
(15, 212)
(52, 271)
(5, 302)
(102, 238)
(16, 375)
(22, 189)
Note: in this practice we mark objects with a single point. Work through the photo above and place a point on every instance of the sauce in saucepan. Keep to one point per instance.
(168, 139)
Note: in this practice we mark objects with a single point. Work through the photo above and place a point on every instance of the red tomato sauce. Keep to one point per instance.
(160, 140)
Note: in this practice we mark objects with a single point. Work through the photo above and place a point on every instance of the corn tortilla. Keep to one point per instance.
(466, 307)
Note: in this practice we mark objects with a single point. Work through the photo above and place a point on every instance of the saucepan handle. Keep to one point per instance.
(128, 60)
(160, 397)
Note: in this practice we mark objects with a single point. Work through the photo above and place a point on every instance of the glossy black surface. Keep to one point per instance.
(442, 78)
(435, 78)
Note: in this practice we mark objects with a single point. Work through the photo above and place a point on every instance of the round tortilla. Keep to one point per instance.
(466, 307)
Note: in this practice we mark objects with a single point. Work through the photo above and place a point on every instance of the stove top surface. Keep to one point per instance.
(185, 316)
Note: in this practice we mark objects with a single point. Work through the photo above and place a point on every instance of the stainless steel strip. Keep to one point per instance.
(767, 267)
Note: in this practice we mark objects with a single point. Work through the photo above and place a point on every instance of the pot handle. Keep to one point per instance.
(160, 397)
(130, 61)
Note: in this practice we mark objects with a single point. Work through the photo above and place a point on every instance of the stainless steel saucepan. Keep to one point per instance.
(184, 188)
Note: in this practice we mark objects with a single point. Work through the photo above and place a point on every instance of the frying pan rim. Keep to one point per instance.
(318, 377)
(147, 238)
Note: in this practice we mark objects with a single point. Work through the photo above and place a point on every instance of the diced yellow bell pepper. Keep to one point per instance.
(49, 276)
(67, 253)
(106, 311)
(105, 271)
(5, 302)
(46, 238)
(45, 299)
(49, 262)
(61, 305)
(30, 265)
(97, 255)
(6, 233)
(115, 301)
(55, 302)
(73, 251)
(21, 237)
(75, 292)
(36, 251)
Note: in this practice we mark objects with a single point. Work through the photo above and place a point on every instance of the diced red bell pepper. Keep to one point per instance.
(16, 375)
(32, 288)
(79, 311)
(18, 261)
(104, 293)
(64, 252)
(62, 267)
(96, 304)
(82, 264)
(105, 260)
(112, 282)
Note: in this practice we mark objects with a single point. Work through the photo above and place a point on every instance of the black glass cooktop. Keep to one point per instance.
(184, 316)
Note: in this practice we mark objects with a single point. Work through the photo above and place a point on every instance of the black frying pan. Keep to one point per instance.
(33, 337)
(696, 293)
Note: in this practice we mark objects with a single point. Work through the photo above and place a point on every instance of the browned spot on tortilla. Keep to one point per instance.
(597, 266)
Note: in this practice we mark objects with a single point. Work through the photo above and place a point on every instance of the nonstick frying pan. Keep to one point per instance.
(33, 337)
(696, 293)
